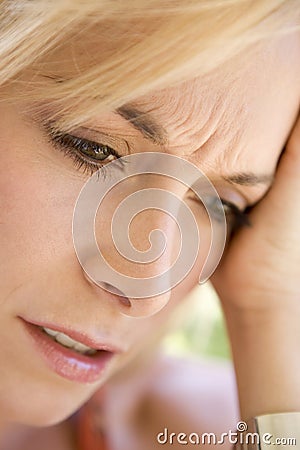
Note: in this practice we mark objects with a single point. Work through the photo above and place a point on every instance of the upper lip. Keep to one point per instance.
(90, 341)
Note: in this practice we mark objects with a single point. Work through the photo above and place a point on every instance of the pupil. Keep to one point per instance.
(96, 149)
(101, 152)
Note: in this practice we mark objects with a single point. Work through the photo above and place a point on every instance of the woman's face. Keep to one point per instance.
(232, 125)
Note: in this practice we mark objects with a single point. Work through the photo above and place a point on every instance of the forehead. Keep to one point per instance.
(236, 118)
(241, 112)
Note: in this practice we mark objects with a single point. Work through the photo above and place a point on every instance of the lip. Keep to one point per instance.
(66, 362)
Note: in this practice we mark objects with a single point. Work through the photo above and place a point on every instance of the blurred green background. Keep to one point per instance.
(199, 327)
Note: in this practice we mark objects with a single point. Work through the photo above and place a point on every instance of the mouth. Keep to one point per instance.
(68, 342)
(70, 354)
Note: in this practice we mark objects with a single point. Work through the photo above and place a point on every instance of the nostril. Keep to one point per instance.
(110, 288)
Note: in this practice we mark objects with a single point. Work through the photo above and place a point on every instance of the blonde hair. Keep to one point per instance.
(118, 50)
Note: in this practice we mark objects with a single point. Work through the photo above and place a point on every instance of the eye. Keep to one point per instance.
(90, 149)
(235, 217)
(217, 207)
(87, 155)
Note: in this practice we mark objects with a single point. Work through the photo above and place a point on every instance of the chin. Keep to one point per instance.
(42, 407)
(48, 420)
(43, 418)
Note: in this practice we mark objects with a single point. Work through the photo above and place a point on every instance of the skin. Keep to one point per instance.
(235, 121)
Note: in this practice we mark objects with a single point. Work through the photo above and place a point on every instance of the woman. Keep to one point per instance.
(82, 84)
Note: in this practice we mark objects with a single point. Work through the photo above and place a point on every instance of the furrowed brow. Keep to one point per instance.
(157, 134)
(144, 123)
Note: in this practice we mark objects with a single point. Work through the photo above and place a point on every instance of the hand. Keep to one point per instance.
(258, 282)
(261, 269)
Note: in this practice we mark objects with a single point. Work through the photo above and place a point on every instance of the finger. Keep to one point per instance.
(288, 174)
(281, 205)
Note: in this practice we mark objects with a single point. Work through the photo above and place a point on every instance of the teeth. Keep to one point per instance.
(68, 342)
(81, 347)
(65, 340)
(51, 332)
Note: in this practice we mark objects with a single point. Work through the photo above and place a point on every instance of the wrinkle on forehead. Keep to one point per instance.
(238, 117)
(196, 112)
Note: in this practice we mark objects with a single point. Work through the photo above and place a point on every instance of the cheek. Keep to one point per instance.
(37, 203)
(36, 219)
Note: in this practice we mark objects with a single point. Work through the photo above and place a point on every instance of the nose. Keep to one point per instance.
(131, 307)
(131, 248)
(130, 267)
(134, 235)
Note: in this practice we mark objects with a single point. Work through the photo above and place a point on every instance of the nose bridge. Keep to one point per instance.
(138, 240)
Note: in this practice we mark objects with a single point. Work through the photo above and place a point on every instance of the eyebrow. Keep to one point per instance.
(249, 178)
(156, 133)
(144, 123)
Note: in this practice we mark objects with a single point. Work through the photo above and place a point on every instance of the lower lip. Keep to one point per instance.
(68, 363)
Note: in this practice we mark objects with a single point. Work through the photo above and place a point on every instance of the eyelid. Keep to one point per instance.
(71, 146)
(231, 193)
(249, 195)
(235, 217)
(121, 146)
(96, 136)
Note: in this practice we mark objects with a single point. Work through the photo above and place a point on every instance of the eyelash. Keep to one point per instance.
(240, 218)
(73, 146)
